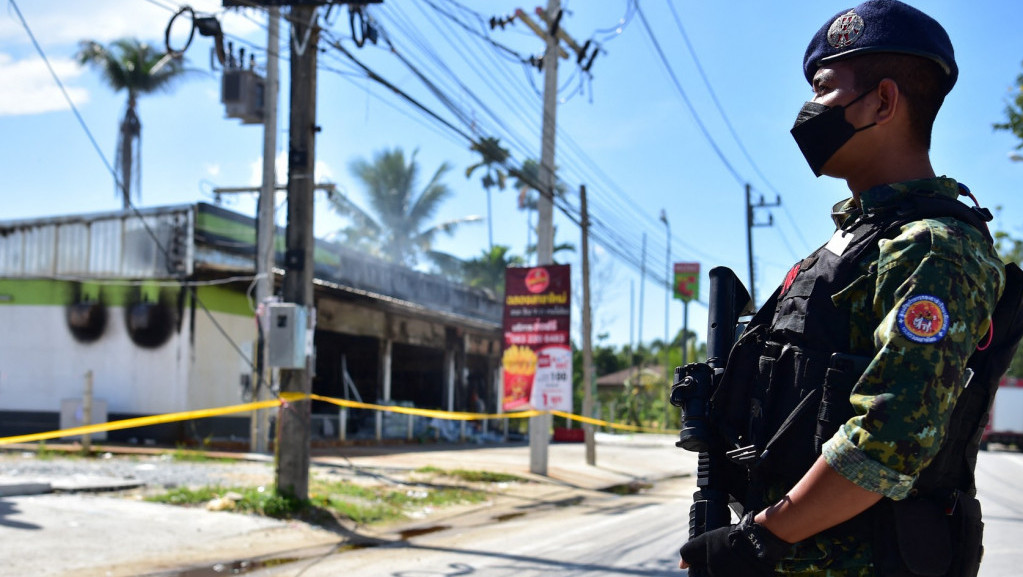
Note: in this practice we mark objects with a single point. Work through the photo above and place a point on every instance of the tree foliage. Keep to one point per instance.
(396, 226)
(136, 68)
(487, 270)
(1014, 113)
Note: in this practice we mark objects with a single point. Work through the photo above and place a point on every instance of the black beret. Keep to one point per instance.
(880, 26)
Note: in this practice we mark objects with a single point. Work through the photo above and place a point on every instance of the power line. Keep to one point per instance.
(685, 98)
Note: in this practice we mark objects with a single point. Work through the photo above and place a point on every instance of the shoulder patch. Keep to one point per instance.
(923, 319)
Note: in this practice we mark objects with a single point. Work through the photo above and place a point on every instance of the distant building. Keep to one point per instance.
(150, 303)
(613, 384)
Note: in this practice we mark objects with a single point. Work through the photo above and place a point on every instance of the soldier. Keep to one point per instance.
(860, 356)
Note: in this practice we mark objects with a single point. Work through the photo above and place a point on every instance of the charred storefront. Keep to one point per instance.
(157, 307)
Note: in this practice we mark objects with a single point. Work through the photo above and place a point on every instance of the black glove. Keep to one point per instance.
(743, 550)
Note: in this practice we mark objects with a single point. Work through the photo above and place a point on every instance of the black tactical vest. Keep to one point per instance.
(786, 386)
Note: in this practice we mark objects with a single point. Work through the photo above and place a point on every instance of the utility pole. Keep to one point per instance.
(642, 298)
(591, 448)
(668, 369)
(539, 426)
(260, 425)
(292, 449)
(749, 234)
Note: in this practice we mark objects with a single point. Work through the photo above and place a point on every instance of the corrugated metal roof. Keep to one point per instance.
(153, 243)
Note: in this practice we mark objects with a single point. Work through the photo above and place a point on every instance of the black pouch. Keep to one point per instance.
(843, 372)
(924, 537)
(969, 542)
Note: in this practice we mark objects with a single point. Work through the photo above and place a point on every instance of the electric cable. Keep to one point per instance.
(692, 110)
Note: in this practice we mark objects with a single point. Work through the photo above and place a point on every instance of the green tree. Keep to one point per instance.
(492, 161)
(137, 68)
(487, 270)
(1014, 113)
(527, 182)
(396, 225)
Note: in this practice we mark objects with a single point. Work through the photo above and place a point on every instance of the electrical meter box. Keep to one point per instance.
(286, 335)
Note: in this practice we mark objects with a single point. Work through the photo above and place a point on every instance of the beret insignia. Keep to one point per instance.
(845, 30)
(923, 319)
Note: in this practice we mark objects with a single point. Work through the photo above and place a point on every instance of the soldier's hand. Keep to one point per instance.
(743, 550)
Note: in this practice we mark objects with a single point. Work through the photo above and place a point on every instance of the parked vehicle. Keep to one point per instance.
(1005, 426)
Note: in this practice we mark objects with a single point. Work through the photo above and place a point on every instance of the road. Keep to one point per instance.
(561, 530)
(1000, 489)
(635, 535)
(603, 535)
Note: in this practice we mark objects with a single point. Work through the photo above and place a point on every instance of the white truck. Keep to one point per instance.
(1006, 424)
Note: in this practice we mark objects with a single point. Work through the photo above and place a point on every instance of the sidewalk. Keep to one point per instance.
(86, 534)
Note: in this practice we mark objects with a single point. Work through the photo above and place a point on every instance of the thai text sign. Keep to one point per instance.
(687, 281)
(537, 360)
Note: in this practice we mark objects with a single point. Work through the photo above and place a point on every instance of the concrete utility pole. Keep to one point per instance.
(749, 235)
(539, 426)
(292, 450)
(591, 448)
(668, 369)
(265, 235)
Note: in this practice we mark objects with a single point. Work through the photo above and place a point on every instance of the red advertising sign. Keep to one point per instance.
(687, 281)
(537, 360)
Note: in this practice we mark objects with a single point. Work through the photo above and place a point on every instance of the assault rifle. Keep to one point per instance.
(717, 477)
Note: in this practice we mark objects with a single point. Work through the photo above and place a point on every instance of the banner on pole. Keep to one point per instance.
(687, 281)
(537, 359)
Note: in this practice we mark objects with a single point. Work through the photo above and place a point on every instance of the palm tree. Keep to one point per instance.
(527, 181)
(487, 270)
(396, 229)
(136, 67)
(493, 159)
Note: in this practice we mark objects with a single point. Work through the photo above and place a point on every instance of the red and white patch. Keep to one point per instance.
(923, 319)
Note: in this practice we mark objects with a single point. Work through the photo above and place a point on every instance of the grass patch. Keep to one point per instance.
(361, 504)
(183, 455)
(43, 452)
(472, 476)
(485, 476)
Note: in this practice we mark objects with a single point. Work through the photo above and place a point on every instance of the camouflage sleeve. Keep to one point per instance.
(936, 287)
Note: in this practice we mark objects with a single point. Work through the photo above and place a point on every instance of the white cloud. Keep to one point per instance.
(30, 89)
(213, 170)
(66, 22)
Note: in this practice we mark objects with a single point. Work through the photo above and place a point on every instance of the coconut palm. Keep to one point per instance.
(136, 67)
(493, 159)
(396, 226)
(487, 270)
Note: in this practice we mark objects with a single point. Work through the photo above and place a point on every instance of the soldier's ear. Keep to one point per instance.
(888, 102)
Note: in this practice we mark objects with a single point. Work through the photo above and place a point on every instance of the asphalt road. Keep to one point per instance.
(602, 536)
(564, 530)
(636, 535)
(1000, 490)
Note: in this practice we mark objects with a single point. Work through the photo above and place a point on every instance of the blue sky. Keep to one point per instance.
(626, 132)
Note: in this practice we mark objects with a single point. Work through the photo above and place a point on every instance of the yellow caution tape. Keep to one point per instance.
(291, 397)
(140, 422)
(601, 423)
(449, 415)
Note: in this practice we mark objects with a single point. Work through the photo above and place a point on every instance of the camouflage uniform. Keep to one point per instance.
(904, 400)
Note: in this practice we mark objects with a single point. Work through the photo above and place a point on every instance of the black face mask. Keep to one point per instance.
(821, 130)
